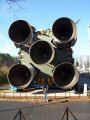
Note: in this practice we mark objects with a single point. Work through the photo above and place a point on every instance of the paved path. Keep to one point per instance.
(47, 111)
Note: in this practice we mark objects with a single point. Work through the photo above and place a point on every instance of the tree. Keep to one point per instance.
(7, 60)
(14, 0)
(10, 2)
(87, 62)
(77, 64)
(81, 62)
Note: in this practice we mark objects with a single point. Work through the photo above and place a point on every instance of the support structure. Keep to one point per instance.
(66, 113)
(20, 115)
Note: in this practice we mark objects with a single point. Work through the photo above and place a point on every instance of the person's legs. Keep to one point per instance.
(46, 97)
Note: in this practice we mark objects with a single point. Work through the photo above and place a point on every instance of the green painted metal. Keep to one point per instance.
(61, 51)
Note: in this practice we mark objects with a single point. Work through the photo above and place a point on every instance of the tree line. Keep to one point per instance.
(6, 61)
(83, 62)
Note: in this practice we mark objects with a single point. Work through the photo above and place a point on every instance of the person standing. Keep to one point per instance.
(45, 89)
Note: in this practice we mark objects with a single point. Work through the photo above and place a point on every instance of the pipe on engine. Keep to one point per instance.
(41, 52)
(65, 75)
(64, 31)
(20, 76)
(21, 32)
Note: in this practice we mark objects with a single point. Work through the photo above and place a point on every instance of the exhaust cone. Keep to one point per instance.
(64, 31)
(20, 32)
(20, 76)
(42, 52)
(65, 75)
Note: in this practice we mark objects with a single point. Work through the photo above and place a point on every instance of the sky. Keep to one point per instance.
(42, 14)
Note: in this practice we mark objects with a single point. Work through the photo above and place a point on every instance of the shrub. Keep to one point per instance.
(3, 74)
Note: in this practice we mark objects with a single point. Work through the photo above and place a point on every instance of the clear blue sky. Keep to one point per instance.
(42, 14)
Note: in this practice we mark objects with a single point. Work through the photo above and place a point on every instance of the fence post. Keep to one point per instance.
(20, 95)
(69, 94)
(13, 95)
(89, 94)
(65, 94)
(79, 95)
(26, 95)
(4, 95)
(55, 95)
(35, 98)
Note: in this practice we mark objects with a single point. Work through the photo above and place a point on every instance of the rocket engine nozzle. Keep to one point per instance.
(65, 75)
(20, 76)
(20, 32)
(42, 52)
(64, 31)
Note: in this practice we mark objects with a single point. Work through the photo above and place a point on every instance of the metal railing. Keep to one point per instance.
(35, 97)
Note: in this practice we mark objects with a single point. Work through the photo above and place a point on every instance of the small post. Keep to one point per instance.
(13, 95)
(85, 90)
(20, 95)
(79, 95)
(55, 95)
(89, 94)
(65, 94)
(69, 94)
(26, 95)
(4, 94)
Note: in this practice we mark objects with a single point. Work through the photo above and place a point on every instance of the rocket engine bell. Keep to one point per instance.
(48, 51)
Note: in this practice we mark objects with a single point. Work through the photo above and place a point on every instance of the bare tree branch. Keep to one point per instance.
(9, 3)
(18, 5)
(15, 0)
